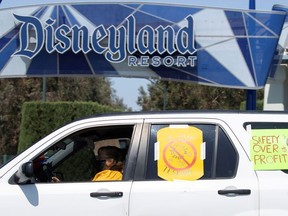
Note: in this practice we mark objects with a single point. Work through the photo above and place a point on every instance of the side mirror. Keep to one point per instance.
(25, 174)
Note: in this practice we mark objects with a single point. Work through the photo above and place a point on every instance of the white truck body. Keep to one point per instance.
(228, 179)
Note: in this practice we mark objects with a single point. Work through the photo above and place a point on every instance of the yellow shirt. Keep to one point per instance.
(108, 175)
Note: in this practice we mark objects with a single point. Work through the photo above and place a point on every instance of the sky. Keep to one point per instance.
(127, 88)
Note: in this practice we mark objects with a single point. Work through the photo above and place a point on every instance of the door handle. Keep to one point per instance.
(115, 194)
(234, 192)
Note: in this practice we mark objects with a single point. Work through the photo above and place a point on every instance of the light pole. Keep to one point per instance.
(44, 89)
(251, 94)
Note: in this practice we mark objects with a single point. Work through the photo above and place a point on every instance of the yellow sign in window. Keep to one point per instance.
(181, 153)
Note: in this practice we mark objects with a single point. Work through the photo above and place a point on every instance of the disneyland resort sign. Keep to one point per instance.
(147, 47)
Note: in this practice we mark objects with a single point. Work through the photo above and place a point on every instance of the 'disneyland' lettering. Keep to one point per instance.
(114, 42)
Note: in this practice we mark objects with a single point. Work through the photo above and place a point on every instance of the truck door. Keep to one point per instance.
(187, 168)
(71, 159)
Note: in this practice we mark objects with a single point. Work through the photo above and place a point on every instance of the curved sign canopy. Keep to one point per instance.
(211, 46)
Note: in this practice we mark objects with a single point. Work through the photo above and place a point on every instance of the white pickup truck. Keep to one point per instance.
(176, 163)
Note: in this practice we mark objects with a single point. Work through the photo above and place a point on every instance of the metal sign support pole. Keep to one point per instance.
(251, 94)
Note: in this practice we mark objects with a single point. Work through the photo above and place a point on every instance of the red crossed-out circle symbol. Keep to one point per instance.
(188, 163)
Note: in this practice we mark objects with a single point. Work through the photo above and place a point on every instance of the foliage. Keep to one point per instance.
(41, 118)
(14, 92)
(84, 160)
(259, 105)
(172, 95)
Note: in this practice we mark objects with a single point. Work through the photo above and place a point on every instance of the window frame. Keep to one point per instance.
(136, 126)
(142, 160)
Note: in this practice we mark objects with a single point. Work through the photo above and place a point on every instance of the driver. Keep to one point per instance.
(108, 158)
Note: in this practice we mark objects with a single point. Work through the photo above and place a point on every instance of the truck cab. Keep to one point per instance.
(174, 163)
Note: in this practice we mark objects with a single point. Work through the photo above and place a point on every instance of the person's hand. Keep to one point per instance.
(55, 179)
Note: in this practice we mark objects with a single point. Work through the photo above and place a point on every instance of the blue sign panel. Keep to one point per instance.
(282, 44)
(211, 46)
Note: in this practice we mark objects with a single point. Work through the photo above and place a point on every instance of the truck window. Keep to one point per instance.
(179, 153)
(74, 158)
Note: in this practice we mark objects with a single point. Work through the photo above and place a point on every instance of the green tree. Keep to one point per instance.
(14, 92)
(96, 89)
(182, 96)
